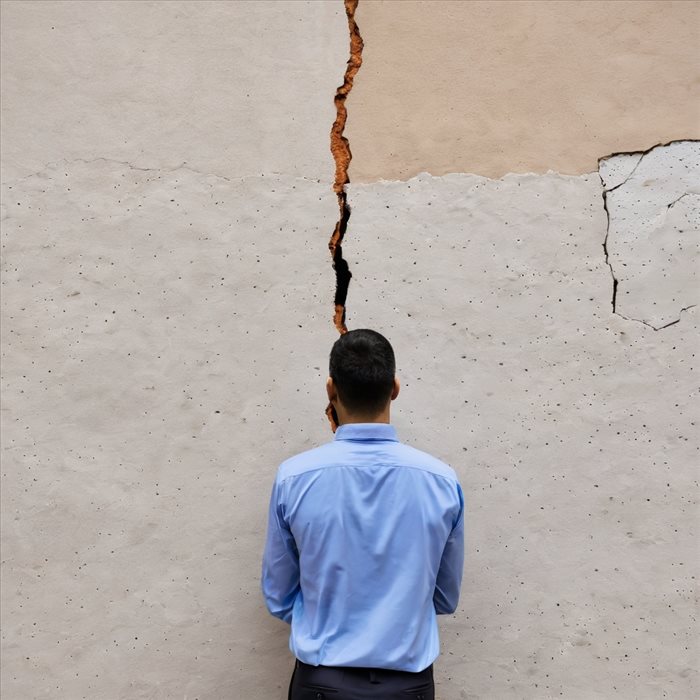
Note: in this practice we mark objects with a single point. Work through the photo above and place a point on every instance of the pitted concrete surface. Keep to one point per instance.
(159, 361)
(571, 428)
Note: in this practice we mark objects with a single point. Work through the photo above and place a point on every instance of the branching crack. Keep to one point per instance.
(607, 232)
(340, 148)
(632, 172)
(678, 199)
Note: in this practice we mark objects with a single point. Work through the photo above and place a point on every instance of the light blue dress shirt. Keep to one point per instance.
(365, 545)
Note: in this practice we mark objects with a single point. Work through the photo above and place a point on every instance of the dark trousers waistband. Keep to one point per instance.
(367, 671)
(356, 683)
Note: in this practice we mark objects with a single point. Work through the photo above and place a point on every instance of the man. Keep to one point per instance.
(365, 543)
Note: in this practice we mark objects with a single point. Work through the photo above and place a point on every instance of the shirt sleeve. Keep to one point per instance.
(449, 578)
(280, 567)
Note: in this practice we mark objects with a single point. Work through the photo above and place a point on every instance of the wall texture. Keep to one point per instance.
(499, 86)
(165, 330)
(167, 301)
(572, 428)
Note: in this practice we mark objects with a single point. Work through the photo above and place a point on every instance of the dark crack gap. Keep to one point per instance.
(605, 246)
(340, 148)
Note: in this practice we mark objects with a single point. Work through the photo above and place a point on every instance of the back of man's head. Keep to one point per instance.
(362, 367)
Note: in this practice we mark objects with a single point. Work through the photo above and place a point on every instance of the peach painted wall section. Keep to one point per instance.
(496, 87)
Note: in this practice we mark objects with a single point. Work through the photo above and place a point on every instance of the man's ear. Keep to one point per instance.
(396, 389)
(331, 390)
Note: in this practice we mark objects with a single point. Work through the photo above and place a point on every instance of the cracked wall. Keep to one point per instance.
(340, 148)
(167, 307)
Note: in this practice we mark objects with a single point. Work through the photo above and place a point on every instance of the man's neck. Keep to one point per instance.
(350, 418)
(355, 421)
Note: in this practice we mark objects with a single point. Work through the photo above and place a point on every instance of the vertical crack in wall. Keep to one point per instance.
(340, 148)
(605, 249)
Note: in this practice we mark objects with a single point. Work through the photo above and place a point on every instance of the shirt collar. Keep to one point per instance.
(366, 431)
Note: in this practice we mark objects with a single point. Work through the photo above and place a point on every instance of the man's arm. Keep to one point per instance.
(280, 568)
(449, 578)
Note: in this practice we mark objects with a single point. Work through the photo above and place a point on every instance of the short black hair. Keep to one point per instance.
(362, 367)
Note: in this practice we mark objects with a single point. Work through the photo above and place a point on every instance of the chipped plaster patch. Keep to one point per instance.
(653, 204)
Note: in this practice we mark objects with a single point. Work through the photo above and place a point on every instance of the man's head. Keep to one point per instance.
(362, 375)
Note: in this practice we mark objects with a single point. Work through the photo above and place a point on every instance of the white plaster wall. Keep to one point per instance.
(165, 337)
(161, 355)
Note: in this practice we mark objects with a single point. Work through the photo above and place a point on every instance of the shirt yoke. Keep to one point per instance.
(389, 454)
